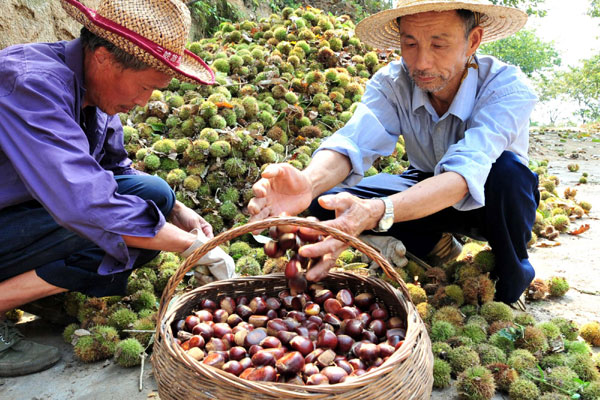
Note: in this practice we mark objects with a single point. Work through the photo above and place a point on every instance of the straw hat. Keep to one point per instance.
(154, 31)
(381, 30)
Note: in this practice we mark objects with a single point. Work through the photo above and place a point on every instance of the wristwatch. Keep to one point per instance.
(386, 222)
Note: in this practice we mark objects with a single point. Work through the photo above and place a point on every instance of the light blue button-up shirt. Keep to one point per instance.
(489, 115)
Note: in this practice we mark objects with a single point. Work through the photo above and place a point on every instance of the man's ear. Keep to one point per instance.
(474, 40)
(102, 56)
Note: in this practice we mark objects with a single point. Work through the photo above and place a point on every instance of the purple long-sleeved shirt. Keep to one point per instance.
(65, 157)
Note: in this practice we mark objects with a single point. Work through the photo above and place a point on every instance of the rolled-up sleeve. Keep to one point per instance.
(50, 153)
(497, 121)
(372, 131)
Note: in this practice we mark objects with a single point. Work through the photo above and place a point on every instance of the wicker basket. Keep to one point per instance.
(407, 374)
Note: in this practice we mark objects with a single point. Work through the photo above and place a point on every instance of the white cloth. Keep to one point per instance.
(220, 264)
(391, 249)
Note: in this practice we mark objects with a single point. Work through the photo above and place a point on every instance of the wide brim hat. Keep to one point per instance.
(381, 30)
(154, 31)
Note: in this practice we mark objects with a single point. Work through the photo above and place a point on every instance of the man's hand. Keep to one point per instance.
(352, 216)
(187, 219)
(282, 190)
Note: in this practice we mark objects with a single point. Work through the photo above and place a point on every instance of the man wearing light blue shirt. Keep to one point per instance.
(464, 120)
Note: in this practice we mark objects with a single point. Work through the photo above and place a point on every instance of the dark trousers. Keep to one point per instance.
(30, 239)
(511, 200)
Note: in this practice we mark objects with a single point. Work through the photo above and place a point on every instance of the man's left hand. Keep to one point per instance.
(352, 216)
(187, 219)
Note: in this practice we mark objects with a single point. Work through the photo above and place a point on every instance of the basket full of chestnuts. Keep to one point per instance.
(278, 336)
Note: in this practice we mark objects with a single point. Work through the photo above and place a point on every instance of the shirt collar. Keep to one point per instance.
(463, 102)
(74, 60)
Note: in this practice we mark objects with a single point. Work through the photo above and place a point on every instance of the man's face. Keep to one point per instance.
(114, 89)
(435, 50)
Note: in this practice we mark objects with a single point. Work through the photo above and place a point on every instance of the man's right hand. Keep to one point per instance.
(282, 190)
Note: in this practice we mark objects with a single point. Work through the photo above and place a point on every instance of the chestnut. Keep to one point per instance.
(288, 241)
(302, 344)
(273, 303)
(204, 315)
(264, 374)
(332, 306)
(277, 352)
(378, 327)
(353, 328)
(214, 360)
(195, 353)
(290, 363)
(205, 330)
(313, 355)
(220, 315)
(227, 304)
(233, 367)
(322, 295)
(327, 340)
(334, 373)
(196, 341)
(208, 304)
(233, 319)
(215, 344)
(297, 284)
(262, 358)
(258, 305)
(345, 297)
(258, 321)
(347, 312)
(286, 336)
(309, 369)
(273, 250)
(221, 329)
(254, 337)
(364, 300)
(246, 373)
(345, 365)
(270, 342)
(191, 321)
(254, 349)
(317, 379)
(394, 322)
(246, 362)
(368, 352)
(243, 311)
(344, 344)
(275, 326)
(326, 358)
(237, 353)
(385, 349)
(293, 269)
(379, 313)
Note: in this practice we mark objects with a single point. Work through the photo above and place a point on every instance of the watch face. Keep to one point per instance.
(386, 223)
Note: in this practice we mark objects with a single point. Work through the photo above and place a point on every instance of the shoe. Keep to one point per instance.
(22, 357)
(446, 250)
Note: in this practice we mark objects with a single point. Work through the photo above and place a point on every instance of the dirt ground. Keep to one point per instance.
(577, 258)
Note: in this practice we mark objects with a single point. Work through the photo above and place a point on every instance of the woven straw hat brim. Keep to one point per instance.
(188, 67)
(381, 30)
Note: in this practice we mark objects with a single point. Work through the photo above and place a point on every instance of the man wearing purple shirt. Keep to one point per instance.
(74, 215)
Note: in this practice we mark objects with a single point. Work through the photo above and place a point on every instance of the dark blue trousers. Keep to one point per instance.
(30, 239)
(511, 200)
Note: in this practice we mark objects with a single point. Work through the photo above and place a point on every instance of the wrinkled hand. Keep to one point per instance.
(282, 190)
(391, 249)
(220, 264)
(187, 219)
(352, 216)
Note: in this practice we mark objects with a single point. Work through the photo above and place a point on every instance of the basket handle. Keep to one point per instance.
(232, 233)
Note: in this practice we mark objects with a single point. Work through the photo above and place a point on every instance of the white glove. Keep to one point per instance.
(219, 263)
(391, 249)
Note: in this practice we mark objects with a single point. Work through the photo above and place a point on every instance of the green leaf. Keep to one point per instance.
(158, 127)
